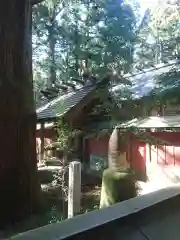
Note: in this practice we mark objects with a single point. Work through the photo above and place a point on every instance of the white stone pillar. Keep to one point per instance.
(74, 190)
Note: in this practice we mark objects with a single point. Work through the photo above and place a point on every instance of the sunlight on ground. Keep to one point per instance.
(153, 186)
(161, 178)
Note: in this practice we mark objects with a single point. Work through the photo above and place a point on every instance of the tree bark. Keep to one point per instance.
(19, 186)
(52, 45)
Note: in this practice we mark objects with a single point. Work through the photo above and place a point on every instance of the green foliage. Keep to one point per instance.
(64, 141)
(167, 17)
(161, 25)
(165, 25)
(147, 137)
(162, 28)
(63, 135)
(62, 145)
(67, 38)
(169, 87)
(144, 50)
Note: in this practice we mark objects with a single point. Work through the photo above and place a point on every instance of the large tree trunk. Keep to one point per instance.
(19, 186)
(52, 45)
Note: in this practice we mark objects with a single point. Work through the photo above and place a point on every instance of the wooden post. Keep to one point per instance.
(74, 191)
(162, 109)
(42, 143)
(144, 109)
(86, 157)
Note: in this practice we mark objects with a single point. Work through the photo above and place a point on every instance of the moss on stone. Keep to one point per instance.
(117, 186)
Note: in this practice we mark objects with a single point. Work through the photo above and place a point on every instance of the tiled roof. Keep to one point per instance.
(64, 103)
(143, 83)
(153, 122)
(42, 103)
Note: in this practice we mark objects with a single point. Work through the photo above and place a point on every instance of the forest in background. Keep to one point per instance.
(70, 38)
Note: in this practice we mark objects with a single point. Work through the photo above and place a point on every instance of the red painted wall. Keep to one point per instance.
(168, 154)
(161, 156)
(137, 154)
(98, 147)
(164, 159)
(136, 150)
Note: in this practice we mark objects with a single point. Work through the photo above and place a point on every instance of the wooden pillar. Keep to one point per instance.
(74, 190)
(85, 155)
(42, 143)
(162, 109)
(144, 106)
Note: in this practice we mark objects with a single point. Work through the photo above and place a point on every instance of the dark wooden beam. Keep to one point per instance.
(34, 2)
(50, 93)
(62, 86)
(71, 85)
(78, 81)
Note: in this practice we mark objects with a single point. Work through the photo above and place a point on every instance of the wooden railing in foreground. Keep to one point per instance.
(125, 220)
